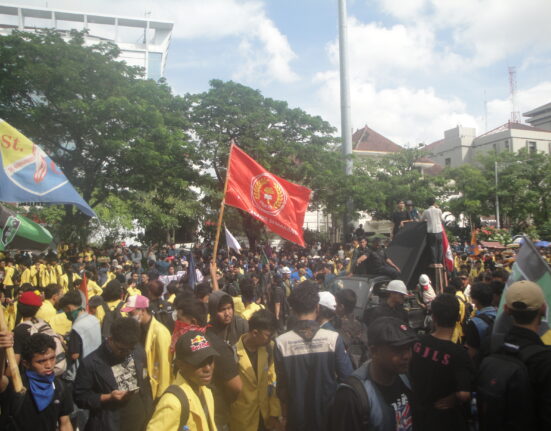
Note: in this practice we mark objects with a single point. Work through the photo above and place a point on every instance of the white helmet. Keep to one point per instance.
(397, 286)
(285, 270)
(424, 280)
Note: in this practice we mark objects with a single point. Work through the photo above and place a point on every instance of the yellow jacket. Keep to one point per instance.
(60, 324)
(157, 350)
(8, 274)
(64, 281)
(93, 288)
(100, 312)
(258, 396)
(167, 414)
(25, 275)
(457, 336)
(46, 311)
(250, 309)
(10, 312)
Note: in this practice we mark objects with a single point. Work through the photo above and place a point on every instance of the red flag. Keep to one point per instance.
(448, 256)
(84, 288)
(277, 203)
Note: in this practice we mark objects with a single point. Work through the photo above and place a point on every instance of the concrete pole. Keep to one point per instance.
(346, 128)
(498, 224)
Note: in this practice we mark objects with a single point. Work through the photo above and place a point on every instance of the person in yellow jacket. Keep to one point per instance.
(195, 361)
(47, 311)
(112, 294)
(156, 343)
(9, 272)
(250, 306)
(257, 402)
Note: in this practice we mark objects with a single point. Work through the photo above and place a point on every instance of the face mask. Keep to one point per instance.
(72, 315)
(136, 317)
(175, 315)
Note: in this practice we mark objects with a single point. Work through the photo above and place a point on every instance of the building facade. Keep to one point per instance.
(142, 42)
(540, 117)
(460, 144)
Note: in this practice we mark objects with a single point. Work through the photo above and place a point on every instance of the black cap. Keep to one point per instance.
(194, 347)
(389, 331)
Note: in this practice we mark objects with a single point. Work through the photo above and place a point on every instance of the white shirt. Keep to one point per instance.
(433, 217)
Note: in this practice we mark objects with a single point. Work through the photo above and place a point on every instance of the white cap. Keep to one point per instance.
(285, 270)
(424, 280)
(397, 286)
(327, 300)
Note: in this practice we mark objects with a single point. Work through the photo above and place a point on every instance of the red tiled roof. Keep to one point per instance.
(517, 126)
(367, 139)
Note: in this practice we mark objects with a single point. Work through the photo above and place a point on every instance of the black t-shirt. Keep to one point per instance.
(225, 368)
(361, 268)
(438, 369)
(27, 416)
(277, 297)
(347, 415)
(398, 217)
(376, 261)
(74, 345)
(253, 357)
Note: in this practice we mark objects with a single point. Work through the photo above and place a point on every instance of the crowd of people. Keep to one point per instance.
(167, 339)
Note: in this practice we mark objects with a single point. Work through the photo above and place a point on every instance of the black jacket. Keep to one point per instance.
(539, 370)
(95, 377)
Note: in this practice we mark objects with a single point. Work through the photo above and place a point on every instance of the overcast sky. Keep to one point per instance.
(418, 67)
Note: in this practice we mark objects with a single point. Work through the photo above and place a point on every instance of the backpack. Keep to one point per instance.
(356, 384)
(179, 393)
(504, 391)
(486, 341)
(163, 313)
(109, 318)
(39, 326)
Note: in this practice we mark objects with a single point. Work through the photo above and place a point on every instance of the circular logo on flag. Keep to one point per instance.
(267, 194)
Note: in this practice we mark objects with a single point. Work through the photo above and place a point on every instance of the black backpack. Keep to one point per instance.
(179, 393)
(505, 398)
(486, 341)
(109, 318)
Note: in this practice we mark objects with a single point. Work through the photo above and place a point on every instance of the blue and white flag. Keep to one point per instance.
(28, 174)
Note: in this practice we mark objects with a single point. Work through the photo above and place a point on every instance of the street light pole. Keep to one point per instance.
(497, 197)
(346, 129)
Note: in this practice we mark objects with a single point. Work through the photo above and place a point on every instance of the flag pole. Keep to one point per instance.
(222, 206)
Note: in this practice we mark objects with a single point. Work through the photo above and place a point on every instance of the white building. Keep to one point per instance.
(455, 149)
(540, 117)
(142, 42)
(460, 145)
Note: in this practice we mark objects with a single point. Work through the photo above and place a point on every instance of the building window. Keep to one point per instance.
(494, 147)
(506, 145)
(448, 162)
(532, 147)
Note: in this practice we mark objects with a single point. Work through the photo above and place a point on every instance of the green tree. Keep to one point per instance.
(287, 141)
(111, 132)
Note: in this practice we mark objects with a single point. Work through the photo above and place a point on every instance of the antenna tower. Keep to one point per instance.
(515, 113)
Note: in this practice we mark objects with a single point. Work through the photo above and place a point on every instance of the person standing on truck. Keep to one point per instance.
(393, 306)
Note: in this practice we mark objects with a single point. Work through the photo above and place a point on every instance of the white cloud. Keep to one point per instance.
(486, 31)
(265, 53)
(406, 116)
(384, 54)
